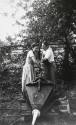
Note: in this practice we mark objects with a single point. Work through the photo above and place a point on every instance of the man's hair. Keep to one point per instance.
(46, 43)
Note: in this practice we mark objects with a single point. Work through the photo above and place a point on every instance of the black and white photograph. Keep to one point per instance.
(37, 62)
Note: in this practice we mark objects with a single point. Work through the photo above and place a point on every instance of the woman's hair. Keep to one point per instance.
(33, 45)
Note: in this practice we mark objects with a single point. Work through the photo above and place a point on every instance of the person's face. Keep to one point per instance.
(35, 50)
(43, 46)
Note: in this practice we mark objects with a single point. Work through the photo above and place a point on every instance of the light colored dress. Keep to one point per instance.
(28, 70)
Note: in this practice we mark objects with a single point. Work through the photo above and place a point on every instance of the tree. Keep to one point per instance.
(66, 21)
(42, 20)
(53, 21)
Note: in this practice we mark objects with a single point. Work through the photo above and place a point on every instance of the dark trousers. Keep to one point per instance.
(52, 72)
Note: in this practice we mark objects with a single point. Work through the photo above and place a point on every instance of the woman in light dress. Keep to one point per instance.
(28, 75)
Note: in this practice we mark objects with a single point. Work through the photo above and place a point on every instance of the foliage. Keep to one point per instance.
(53, 21)
(42, 20)
(49, 20)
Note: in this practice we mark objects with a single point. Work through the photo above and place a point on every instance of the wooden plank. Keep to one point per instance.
(38, 98)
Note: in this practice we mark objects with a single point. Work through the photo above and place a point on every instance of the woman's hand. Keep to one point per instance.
(38, 63)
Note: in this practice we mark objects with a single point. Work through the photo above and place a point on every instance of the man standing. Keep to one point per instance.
(48, 60)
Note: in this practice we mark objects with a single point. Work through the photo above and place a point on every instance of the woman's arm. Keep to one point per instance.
(34, 60)
(37, 62)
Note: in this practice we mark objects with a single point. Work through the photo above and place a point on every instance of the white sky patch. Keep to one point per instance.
(8, 24)
(7, 27)
(19, 13)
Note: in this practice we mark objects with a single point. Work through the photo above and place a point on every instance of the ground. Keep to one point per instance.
(15, 111)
